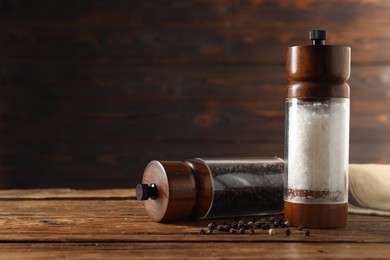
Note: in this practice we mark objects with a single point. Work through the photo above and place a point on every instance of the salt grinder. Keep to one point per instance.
(317, 134)
(211, 188)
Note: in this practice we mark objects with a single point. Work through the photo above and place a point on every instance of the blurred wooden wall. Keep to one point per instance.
(92, 90)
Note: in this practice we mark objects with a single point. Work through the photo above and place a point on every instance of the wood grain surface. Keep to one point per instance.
(91, 91)
(112, 224)
(195, 250)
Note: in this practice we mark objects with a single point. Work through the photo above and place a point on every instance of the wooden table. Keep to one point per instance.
(111, 224)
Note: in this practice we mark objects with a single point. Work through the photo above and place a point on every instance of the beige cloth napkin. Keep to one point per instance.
(369, 189)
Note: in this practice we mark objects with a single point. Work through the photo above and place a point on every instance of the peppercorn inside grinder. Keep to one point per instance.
(317, 134)
(212, 188)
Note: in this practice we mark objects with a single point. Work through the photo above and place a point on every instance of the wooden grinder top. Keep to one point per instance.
(168, 190)
(318, 70)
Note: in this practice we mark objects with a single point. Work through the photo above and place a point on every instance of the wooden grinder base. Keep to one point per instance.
(316, 215)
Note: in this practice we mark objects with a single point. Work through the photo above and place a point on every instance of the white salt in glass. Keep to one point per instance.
(317, 150)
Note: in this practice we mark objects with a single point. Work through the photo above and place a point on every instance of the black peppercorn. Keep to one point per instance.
(234, 224)
(271, 220)
(211, 225)
(266, 226)
(307, 233)
(227, 227)
(241, 224)
(258, 224)
(250, 224)
(288, 232)
(202, 232)
(220, 228)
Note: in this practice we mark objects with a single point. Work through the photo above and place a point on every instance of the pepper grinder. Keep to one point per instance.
(212, 188)
(317, 134)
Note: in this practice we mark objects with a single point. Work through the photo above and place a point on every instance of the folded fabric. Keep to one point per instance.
(369, 189)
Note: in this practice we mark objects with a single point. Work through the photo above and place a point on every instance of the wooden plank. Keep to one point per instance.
(197, 31)
(369, 153)
(148, 112)
(134, 106)
(194, 13)
(101, 13)
(116, 165)
(124, 220)
(78, 224)
(150, 84)
(66, 194)
(177, 250)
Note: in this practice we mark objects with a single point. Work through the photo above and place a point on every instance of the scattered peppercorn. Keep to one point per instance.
(220, 228)
(258, 224)
(266, 226)
(227, 227)
(234, 224)
(240, 224)
(212, 225)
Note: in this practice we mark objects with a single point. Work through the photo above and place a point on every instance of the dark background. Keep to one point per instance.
(90, 91)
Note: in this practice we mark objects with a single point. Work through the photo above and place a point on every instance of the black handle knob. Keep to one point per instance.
(317, 37)
(145, 191)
